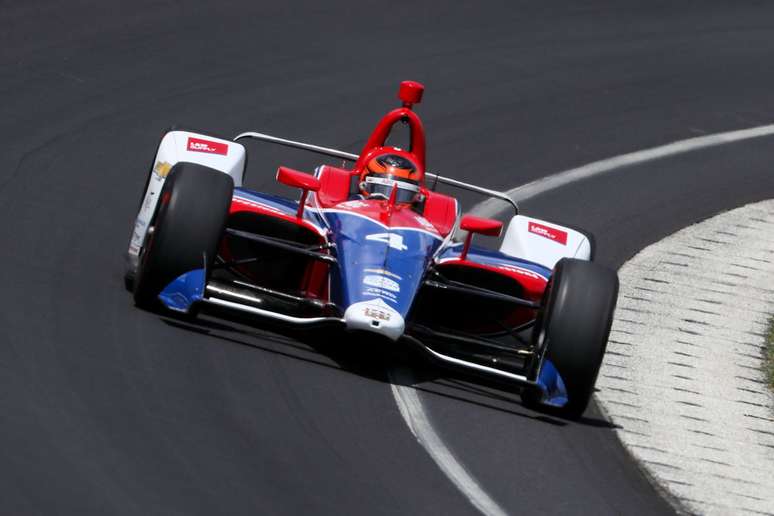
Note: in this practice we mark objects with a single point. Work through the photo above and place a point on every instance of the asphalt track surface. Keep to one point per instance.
(106, 409)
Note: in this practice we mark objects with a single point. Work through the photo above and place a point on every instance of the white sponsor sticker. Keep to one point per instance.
(378, 292)
(426, 223)
(384, 272)
(523, 272)
(381, 282)
(353, 204)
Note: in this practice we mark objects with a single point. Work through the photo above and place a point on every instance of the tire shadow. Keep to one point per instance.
(369, 357)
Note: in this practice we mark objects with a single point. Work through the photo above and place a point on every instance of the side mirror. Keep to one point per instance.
(296, 179)
(302, 180)
(473, 224)
(488, 227)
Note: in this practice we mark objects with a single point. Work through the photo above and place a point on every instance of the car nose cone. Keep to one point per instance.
(374, 315)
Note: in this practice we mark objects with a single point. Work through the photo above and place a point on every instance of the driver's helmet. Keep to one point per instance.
(385, 171)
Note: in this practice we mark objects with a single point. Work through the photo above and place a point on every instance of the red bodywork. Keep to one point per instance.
(336, 188)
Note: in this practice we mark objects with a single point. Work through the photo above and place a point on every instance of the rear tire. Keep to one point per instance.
(574, 326)
(188, 225)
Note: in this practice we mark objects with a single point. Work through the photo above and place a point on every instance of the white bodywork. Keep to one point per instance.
(176, 146)
(375, 316)
(544, 242)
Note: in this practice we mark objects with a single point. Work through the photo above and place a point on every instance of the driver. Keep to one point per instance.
(388, 170)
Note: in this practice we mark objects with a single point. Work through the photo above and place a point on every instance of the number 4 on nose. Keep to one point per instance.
(393, 240)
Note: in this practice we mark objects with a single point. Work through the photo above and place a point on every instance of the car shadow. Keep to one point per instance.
(345, 352)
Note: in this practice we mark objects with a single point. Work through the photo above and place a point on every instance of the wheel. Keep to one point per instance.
(187, 227)
(573, 327)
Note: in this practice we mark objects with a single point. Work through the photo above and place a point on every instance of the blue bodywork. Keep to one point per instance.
(184, 291)
(374, 261)
(273, 202)
(551, 385)
(377, 261)
(494, 258)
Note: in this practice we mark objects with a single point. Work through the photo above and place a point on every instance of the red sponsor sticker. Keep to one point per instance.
(210, 147)
(557, 235)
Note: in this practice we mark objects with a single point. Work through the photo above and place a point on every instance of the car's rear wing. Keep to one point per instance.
(353, 157)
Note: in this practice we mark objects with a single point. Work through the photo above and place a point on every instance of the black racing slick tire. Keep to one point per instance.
(187, 228)
(574, 326)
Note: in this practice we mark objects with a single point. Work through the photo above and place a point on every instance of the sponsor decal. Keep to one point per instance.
(393, 240)
(375, 313)
(384, 272)
(353, 204)
(208, 146)
(426, 224)
(162, 169)
(523, 272)
(146, 205)
(381, 282)
(553, 234)
(139, 227)
(378, 292)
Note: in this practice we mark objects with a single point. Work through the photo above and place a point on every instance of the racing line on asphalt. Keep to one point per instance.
(401, 379)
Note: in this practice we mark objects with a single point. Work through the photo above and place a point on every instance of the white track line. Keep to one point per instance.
(406, 397)
(492, 207)
(416, 418)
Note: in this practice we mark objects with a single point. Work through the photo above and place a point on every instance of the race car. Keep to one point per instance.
(372, 248)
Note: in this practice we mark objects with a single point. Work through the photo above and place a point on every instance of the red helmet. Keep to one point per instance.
(389, 170)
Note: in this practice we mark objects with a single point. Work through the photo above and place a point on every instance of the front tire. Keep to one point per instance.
(187, 228)
(574, 326)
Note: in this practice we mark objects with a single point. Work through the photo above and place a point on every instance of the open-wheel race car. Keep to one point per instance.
(371, 248)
